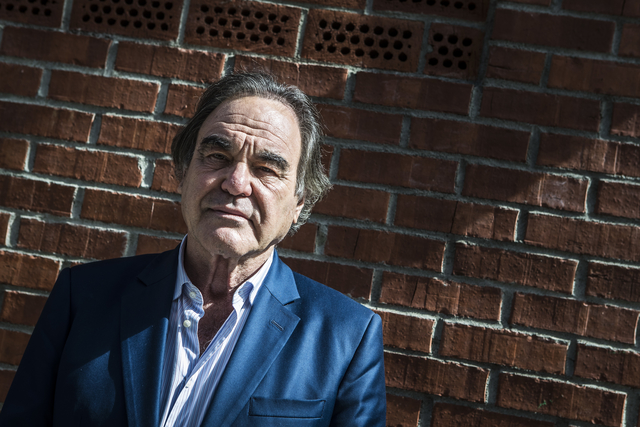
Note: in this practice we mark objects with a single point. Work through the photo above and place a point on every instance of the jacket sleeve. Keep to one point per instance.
(361, 400)
(31, 395)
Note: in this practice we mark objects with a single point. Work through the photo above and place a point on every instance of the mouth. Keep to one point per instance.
(230, 213)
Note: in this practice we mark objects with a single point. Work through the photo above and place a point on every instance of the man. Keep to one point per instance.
(218, 332)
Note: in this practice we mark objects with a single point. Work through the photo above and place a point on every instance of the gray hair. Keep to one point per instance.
(311, 181)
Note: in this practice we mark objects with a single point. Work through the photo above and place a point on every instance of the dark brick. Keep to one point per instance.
(36, 196)
(141, 135)
(152, 244)
(479, 13)
(402, 411)
(20, 308)
(304, 240)
(618, 199)
(514, 64)
(447, 415)
(408, 332)
(164, 178)
(630, 40)
(626, 120)
(182, 100)
(28, 271)
(349, 123)
(12, 346)
(609, 7)
(603, 364)
(34, 13)
(455, 51)
(13, 153)
(19, 80)
(613, 282)
(358, 203)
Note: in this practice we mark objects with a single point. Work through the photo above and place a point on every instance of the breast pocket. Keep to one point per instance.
(285, 408)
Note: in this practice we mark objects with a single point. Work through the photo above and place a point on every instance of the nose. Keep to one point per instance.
(237, 182)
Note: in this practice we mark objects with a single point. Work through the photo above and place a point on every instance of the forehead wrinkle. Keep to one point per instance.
(264, 128)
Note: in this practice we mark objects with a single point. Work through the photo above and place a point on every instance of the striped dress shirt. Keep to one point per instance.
(188, 378)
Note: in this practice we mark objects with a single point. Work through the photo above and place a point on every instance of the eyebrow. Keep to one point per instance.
(218, 142)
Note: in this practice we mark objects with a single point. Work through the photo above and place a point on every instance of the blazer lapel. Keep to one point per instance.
(267, 330)
(146, 307)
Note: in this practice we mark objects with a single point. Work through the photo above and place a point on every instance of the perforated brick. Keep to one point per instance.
(363, 41)
(455, 51)
(250, 26)
(155, 19)
(37, 12)
(473, 10)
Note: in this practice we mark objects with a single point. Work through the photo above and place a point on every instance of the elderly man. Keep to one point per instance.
(217, 332)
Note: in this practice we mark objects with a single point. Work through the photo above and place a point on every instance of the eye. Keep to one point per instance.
(218, 156)
(266, 170)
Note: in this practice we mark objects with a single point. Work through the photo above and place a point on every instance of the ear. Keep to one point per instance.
(298, 209)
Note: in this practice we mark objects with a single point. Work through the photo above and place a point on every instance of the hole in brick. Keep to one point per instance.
(331, 49)
(335, 25)
(280, 41)
(397, 45)
(235, 23)
(93, 8)
(322, 23)
(364, 29)
(35, 10)
(128, 1)
(340, 38)
(168, 6)
(245, 12)
(467, 42)
(226, 34)
(119, 11)
(373, 54)
(384, 44)
(47, 12)
(160, 16)
(249, 25)
(462, 65)
(402, 57)
(146, 14)
(284, 19)
(355, 39)
(133, 12)
(217, 9)
(254, 38)
(164, 27)
(350, 27)
(433, 61)
(208, 20)
(213, 32)
(438, 37)
(447, 63)
(443, 50)
(259, 15)
(272, 17)
(106, 9)
(268, 40)
(458, 5)
(406, 34)
(345, 51)
(204, 8)
(276, 29)
(368, 41)
(318, 47)
(222, 21)
(393, 32)
(85, 18)
(388, 56)
(111, 21)
(98, 19)
(137, 24)
(444, 3)
(472, 6)
(457, 53)
(142, 2)
(232, 11)
(359, 52)
(326, 35)
(453, 39)
(431, 2)
(263, 27)
(151, 25)
(378, 31)
(124, 23)
(155, 4)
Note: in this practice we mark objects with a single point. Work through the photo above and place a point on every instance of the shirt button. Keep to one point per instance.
(192, 294)
(186, 323)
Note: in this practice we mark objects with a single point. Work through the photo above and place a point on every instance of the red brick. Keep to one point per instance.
(584, 237)
(6, 377)
(165, 61)
(607, 77)
(141, 135)
(574, 152)
(575, 317)
(560, 399)
(559, 31)
(152, 245)
(455, 51)
(12, 346)
(163, 177)
(479, 13)
(541, 108)
(626, 120)
(450, 216)
(613, 282)
(21, 308)
(19, 80)
(447, 415)
(455, 299)
(55, 46)
(423, 173)
(503, 348)
(630, 40)
(304, 240)
(382, 247)
(618, 199)
(538, 2)
(182, 100)
(47, 14)
(349, 4)
(554, 274)
(28, 271)
(610, 7)
(351, 202)
(314, 80)
(136, 211)
(13, 153)
(402, 411)
(408, 332)
(532, 188)
(468, 138)
(70, 240)
(4, 226)
(36, 196)
(515, 64)
(244, 25)
(603, 364)
(45, 121)
(416, 93)
(349, 123)
(435, 377)
(103, 91)
(344, 278)
(87, 165)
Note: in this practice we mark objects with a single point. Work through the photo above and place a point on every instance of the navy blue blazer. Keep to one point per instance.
(307, 356)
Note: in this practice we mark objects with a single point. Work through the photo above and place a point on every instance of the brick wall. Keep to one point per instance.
(485, 159)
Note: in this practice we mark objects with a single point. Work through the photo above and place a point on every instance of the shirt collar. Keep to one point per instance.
(256, 280)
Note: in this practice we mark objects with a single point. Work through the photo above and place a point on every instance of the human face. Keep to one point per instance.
(238, 193)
